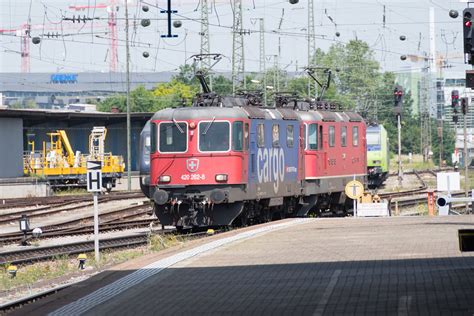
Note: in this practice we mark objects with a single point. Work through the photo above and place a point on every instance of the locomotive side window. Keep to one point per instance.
(290, 136)
(173, 137)
(214, 136)
(313, 137)
(246, 136)
(355, 135)
(153, 137)
(276, 135)
(237, 136)
(344, 136)
(332, 136)
(320, 137)
(260, 135)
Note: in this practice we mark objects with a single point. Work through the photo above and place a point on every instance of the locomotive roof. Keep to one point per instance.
(187, 113)
(327, 116)
(236, 112)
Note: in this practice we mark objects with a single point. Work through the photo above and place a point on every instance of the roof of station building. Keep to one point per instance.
(35, 116)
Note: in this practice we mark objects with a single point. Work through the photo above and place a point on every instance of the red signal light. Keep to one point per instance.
(468, 23)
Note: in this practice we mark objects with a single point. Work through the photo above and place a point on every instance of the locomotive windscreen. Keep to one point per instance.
(173, 137)
(373, 138)
(214, 136)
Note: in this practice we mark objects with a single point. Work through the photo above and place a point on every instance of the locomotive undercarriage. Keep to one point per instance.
(204, 206)
(376, 177)
(187, 207)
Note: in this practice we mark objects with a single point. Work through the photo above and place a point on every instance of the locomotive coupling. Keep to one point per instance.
(160, 197)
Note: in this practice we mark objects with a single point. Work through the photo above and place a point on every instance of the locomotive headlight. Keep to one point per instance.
(377, 162)
(165, 179)
(221, 178)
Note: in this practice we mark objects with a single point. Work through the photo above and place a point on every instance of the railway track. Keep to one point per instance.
(31, 255)
(15, 238)
(45, 253)
(56, 208)
(42, 203)
(421, 189)
(112, 220)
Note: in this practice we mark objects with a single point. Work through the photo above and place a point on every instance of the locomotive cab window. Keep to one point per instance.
(153, 137)
(332, 136)
(214, 136)
(173, 137)
(373, 138)
(276, 135)
(344, 136)
(260, 135)
(355, 136)
(290, 136)
(237, 136)
(313, 136)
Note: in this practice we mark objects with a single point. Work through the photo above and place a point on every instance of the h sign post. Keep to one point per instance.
(94, 176)
(94, 183)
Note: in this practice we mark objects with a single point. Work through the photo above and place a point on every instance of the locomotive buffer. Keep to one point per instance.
(94, 183)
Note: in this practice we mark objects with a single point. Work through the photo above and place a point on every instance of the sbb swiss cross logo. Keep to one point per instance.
(192, 164)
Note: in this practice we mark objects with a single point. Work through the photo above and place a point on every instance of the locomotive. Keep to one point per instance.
(233, 161)
(378, 155)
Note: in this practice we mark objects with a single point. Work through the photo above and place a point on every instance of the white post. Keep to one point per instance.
(96, 228)
(354, 192)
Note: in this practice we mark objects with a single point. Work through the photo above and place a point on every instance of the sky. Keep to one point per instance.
(85, 47)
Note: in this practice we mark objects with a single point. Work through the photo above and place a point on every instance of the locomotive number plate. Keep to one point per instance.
(193, 176)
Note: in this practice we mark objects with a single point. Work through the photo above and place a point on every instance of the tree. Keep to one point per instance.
(141, 100)
(186, 76)
(174, 93)
(221, 85)
(168, 94)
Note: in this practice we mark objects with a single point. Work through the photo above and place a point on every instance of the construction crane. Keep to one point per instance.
(24, 32)
(112, 9)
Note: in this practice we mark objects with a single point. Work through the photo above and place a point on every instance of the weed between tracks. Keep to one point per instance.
(63, 267)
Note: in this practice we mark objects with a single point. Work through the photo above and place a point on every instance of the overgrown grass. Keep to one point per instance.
(63, 265)
(160, 242)
(29, 275)
(416, 163)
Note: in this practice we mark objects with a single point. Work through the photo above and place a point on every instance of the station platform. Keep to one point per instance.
(398, 265)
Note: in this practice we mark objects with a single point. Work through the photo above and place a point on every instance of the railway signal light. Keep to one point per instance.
(468, 15)
(398, 99)
(464, 105)
(454, 98)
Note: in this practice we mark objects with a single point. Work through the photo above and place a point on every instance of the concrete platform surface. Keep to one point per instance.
(399, 265)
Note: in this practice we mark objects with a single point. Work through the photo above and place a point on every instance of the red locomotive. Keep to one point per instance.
(229, 160)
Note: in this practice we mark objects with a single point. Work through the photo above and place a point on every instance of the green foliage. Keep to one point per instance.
(169, 94)
(174, 93)
(221, 85)
(29, 104)
(186, 76)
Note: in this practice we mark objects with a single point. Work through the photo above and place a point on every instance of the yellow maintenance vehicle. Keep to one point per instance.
(62, 167)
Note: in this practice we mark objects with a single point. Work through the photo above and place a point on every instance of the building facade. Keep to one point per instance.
(55, 90)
